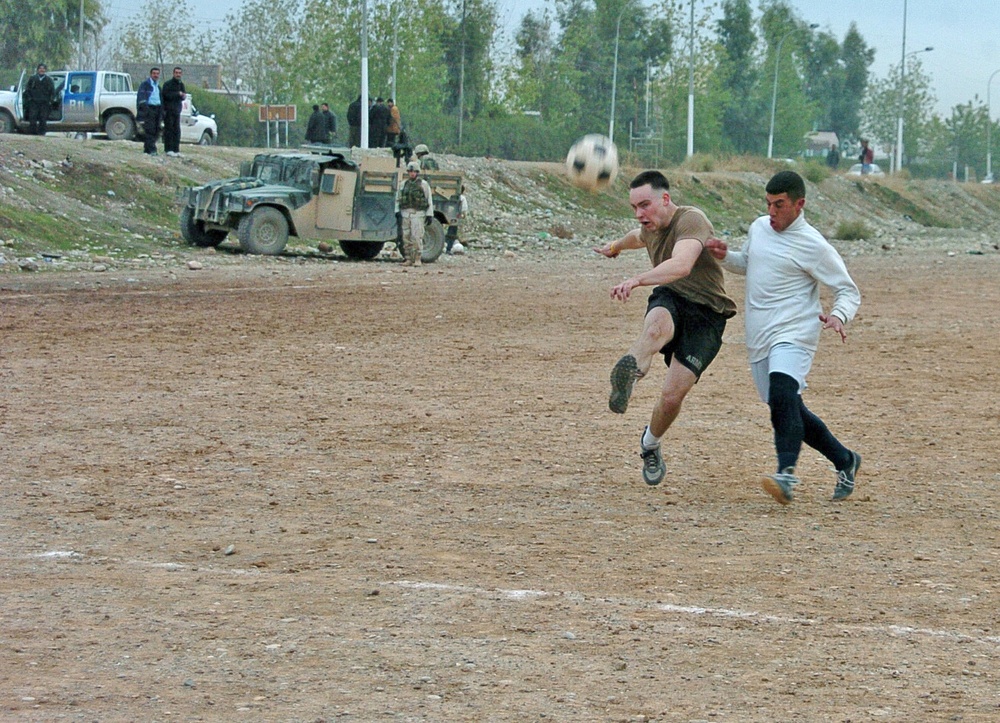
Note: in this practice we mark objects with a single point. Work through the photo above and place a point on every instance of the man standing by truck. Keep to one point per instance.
(174, 94)
(149, 107)
(38, 96)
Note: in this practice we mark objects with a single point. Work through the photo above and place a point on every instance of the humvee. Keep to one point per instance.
(320, 194)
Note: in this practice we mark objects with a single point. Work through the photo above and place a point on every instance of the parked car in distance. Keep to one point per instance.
(988, 178)
(855, 170)
(196, 127)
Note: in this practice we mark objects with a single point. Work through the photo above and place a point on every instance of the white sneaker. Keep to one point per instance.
(173, 154)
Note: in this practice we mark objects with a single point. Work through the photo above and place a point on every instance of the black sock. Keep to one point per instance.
(820, 438)
(786, 419)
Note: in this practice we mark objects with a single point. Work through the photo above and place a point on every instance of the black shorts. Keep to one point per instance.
(697, 330)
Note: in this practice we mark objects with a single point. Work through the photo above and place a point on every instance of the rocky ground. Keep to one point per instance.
(307, 489)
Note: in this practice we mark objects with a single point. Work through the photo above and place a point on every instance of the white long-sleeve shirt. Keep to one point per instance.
(783, 276)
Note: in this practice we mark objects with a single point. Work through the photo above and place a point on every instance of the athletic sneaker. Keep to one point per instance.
(653, 469)
(779, 485)
(845, 478)
(623, 377)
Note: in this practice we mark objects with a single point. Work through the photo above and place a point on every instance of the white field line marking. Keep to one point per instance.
(522, 595)
(895, 630)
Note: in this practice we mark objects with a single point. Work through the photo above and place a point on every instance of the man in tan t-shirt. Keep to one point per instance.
(686, 313)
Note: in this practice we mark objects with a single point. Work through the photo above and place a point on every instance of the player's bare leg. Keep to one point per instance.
(679, 381)
(657, 330)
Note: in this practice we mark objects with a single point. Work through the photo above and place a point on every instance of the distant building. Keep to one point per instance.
(818, 143)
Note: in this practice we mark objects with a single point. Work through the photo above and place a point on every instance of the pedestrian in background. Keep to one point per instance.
(174, 94)
(354, 123)
(149, 108)
(395, 126)
(316, 127)
(329, 123)
(39, 92)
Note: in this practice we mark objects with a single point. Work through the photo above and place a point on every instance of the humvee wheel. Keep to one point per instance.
(362, 250)
(194, 231)
(263, 231)
(433, 242)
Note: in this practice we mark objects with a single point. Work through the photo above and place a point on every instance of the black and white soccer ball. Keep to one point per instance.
(592, 162)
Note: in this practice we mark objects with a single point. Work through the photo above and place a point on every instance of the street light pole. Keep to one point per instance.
(774, 93)
(989, 128)
(614, 76)
(690, 147)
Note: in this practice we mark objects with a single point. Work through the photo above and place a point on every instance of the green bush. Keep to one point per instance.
(815, 172)
(852, 231)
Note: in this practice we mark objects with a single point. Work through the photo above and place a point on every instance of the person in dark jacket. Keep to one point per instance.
(378, 121)
(174, 94)
(149, 108)
(330, 119)
(39, 92)
(316, 128)
(354, 122)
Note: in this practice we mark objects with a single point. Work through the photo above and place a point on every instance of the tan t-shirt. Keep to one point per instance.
(704, 285)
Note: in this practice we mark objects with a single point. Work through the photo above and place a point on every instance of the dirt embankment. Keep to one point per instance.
(75, 204)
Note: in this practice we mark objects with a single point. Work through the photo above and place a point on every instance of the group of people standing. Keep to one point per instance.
(322, 126)
(156, 106)
(385, 125)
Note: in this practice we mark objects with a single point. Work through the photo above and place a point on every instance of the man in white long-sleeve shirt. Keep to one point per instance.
(785, 260)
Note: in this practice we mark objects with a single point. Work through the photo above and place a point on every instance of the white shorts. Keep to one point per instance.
(785, 358)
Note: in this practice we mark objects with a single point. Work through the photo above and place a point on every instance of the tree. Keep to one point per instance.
(740, 77)
(173, 38)
(45, 31)
(886, 100)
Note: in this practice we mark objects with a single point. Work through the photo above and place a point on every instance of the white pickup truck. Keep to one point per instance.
(97, 101)
(87, 101)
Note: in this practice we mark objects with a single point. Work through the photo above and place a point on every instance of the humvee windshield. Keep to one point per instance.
(301, 175)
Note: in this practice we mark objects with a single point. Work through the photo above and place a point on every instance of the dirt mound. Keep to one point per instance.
(67, 203)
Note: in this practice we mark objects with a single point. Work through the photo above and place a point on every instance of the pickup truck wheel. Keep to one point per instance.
(6, 123)
(433, 245)
(362, 250)
(206, 139)
(120, 127)
(194, 231)
(263, 231)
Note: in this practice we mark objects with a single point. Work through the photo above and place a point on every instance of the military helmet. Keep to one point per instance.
(421, 149)
(413, 166)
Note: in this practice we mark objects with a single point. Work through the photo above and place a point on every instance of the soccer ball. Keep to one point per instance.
(457, 248)
(592, 162)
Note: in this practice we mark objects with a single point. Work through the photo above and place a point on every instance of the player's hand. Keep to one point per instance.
(609, 249)
(717, 247)
(623, 291)
(833, 322)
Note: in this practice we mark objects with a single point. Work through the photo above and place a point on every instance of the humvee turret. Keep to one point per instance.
(320, 194)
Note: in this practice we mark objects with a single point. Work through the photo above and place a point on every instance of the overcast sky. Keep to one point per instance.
(963, 33)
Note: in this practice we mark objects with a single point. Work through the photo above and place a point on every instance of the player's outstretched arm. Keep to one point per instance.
(611, 249)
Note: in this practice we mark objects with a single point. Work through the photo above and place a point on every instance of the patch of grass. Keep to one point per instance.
(900, 203)
(700, 163)
(852, 231)
(815, 172)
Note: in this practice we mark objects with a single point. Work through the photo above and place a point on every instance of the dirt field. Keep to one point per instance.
(314, 492)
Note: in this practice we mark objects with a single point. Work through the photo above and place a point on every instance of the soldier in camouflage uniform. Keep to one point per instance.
(416, 205)
(427, 161)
